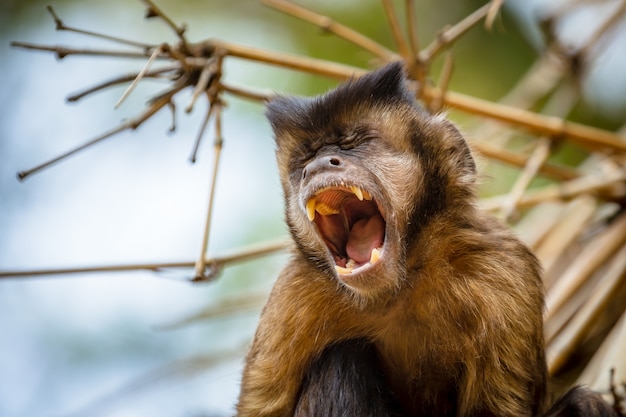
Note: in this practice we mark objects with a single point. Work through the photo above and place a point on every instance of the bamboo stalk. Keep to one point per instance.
(236, 256)
(329, 25)
(595, 254)
(560, 349)
(568, 227)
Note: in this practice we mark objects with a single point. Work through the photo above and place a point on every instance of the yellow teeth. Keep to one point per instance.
(310, 209)
(343, 271)
(375, 255)
(357, 192)
(324, 209)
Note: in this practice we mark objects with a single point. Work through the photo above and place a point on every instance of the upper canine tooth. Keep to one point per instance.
(310, 209)
(325, 209)
(357, 192)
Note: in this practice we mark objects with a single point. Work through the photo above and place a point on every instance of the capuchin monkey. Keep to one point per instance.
(401, 297)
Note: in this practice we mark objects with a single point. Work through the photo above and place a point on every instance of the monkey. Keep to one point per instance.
(401, 297)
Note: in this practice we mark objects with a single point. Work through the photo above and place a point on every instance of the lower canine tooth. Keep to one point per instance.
(342, 270)
(310, 209)
(375, 255)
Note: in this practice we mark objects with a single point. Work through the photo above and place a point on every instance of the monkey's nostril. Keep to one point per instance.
(335, 162)
(304, 174)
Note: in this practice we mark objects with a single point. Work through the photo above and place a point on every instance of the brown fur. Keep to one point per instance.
(454, 310)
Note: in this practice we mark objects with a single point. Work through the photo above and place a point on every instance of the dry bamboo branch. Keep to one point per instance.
(564, 191)
(240, 255)
(155, 11)
(155, 73)
(394, 25)
(140, 75)
(444, 79)
(568, 227)
(63, 27)
(596, 254)
(488, 150)
(560, 349)
(62, 51)
(537, 159)
(246, 92)
(201, 267)
(590, 137)
(410, 15)
(450, 35)
(594, 138)
(329, 25)
(494, 8)
(131, 124)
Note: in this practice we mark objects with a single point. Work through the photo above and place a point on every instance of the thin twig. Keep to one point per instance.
(62, 51)
(396, 31)
(131, 124)
(239, 255)
(595, 255)
(560, 349)
(155, 73)
(601, 186)
(329, 25)
(513, 158)
(140, 75)
(200, 273)
(200, 135)
(246, 92)
(155, 11)
(444, 79)
(535, 162)
(62, 27)
(447, 37)
(410, 15)
(494, 8)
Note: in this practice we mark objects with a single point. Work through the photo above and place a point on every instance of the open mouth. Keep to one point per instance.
(351, 224)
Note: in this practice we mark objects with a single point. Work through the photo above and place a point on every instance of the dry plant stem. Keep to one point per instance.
(246, 92)
(62, 51)
(396, 31)
(603, 31)
(201, 266)
(447, 37)
(488, 150)
(241, 255)
(594, 138)
(567, 228)
(564, 191)
(155, 73)
(590, 137)
(203, 83)
(62, 27)
(131, 124)
(560, 349)
(329, 25)
(155, 11)
(410, 15)
(311, 65)
(535, 162)
(596, 253)
(444, 79)
(494, 8)
(142, 73)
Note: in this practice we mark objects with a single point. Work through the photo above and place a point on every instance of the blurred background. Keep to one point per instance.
(124, 344)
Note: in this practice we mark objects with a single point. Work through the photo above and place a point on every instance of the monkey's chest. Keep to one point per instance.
(424, 381)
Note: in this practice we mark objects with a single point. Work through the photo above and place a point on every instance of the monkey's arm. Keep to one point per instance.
(303, 315)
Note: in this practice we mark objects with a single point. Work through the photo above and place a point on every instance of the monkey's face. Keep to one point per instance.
(356, 184)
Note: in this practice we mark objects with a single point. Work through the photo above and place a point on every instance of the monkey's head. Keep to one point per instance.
(364, 169)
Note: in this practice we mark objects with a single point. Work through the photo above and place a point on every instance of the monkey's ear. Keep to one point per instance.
(463, 163)
(286, 113)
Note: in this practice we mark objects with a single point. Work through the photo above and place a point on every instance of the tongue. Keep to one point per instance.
(365, 235)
